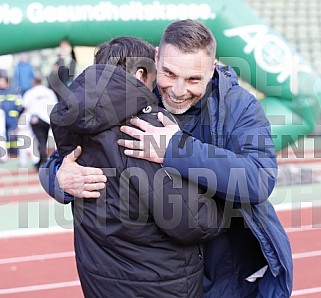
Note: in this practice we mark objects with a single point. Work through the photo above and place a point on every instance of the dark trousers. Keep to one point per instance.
(41, 129)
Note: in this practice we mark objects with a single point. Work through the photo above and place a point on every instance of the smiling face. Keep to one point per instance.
(182, 78)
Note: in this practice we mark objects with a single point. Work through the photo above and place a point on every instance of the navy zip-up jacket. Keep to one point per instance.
(239, 165)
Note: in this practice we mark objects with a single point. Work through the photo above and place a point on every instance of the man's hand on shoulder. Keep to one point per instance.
(150, 142)
(79, 181)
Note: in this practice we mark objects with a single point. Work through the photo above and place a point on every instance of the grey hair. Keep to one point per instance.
(189, 36)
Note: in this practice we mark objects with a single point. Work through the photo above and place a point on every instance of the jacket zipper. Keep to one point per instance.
(169, 176)
(200, 254)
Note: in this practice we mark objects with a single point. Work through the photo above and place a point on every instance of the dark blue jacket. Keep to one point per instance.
(11, 103)
(141, 237)
(240, 166)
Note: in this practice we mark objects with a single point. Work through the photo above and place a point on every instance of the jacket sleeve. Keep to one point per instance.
(65, 139)
(242, 168)
(48, 180)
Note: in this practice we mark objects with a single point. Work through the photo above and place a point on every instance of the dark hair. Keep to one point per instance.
(129, 53)
(37, 81)
(4, 75)
(189, 36)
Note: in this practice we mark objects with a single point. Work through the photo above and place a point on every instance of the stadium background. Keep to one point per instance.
(40, 262)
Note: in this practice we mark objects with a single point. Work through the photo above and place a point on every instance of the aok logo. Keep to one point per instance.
(271, 53)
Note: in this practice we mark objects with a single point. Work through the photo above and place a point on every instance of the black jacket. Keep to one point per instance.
(141, 237)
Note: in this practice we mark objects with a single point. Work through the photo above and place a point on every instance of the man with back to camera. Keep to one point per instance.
(122, 238)
(223, 130)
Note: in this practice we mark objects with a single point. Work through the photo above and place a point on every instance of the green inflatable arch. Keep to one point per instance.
(261, 57)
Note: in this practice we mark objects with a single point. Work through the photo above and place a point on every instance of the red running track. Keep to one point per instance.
(39, 266)
(44, 265)
(303, 227)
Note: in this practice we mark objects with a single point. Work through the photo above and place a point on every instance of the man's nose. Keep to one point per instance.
(179, 88)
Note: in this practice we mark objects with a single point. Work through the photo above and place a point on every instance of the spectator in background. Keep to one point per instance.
(63, 71)
(66, 62)
(27, 144)
(3, 146)
(57, 79)
(23, 74)
(38, 103)
(10, 103)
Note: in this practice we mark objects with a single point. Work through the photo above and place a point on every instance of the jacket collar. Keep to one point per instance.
(101, 97)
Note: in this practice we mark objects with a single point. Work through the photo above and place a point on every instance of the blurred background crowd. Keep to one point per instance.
(29, 88)
(298, 21)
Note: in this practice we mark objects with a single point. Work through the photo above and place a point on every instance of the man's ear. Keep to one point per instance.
(214, 63)
(156, 56)
(213, 66)
(139, 74)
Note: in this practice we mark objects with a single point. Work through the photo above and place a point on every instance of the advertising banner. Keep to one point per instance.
(263, 58)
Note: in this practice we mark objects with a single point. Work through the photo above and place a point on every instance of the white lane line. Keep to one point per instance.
(59, 285)
(306, 291)
(313, 227)
(68, 254)
(295, 206)
(42, 257)
(29, 232)
(308, 254)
